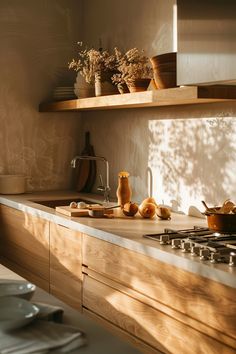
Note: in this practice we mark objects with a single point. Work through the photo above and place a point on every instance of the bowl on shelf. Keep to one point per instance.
(16, 313)
(164, 70)
(19, 288)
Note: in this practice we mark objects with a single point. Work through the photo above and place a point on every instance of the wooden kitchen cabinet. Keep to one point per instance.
(66, 264)
(170, 309)
(24, 245)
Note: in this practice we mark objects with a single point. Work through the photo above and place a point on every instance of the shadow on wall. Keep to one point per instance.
(190, 150)
(194, 159)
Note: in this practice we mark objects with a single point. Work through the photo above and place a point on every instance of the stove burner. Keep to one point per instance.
(200, 241)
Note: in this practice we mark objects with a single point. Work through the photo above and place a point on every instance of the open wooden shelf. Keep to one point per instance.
(167, 97)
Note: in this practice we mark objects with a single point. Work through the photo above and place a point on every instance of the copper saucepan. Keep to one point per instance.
(220, 222)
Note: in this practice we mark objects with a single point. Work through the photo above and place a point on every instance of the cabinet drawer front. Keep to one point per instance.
(25, 241)
(65, 264)
(150, 325)
(165, 283)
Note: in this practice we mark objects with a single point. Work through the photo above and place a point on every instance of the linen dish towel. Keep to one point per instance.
(49, 312)
(42, 337)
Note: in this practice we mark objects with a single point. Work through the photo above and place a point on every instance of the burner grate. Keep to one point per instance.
(200, 241)
(170, 234)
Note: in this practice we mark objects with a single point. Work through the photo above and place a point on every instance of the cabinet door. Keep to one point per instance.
(154, 327)
(168, 285)
(24, 245)
(65, 264)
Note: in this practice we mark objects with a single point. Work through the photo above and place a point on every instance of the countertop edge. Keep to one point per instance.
(187, 264)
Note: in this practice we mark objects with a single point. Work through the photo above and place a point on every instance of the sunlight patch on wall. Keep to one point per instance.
(192, 160)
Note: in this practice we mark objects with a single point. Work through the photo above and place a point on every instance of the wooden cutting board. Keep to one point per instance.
(66, 210)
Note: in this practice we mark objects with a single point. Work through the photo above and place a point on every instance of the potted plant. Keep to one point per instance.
(134, 70)
(96, 66)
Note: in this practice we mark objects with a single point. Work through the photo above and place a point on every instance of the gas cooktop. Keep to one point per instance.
(200, 242)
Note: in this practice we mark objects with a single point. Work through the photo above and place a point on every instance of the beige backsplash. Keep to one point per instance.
(191, 151)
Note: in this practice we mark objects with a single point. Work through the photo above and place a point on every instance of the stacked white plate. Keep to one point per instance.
(15, 309)
(63, 93)
(19, 288)
(16, 312)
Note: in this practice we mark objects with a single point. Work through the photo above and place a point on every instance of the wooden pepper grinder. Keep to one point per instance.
(123, 190)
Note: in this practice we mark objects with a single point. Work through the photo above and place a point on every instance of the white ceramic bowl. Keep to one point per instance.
(16, 313)
(12, 184)
(19, 288)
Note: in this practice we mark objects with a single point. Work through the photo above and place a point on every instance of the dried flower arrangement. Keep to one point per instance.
(132, 65)
(92, 63)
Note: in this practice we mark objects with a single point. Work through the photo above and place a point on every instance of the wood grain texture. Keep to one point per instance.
(166, 97)
(66, 210)
(25, 273)
(191, 295)
(199, 326)
(65, 265)
(143, 347)
(25, 243)
(150, 325)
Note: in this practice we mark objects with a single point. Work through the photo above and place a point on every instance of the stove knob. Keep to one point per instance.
(186, 246)
(215, 257)
(195, 250)
(232, 259)
(164, 239)
(204, 254)
(176, 243)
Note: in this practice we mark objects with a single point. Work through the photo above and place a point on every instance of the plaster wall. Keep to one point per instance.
(37, 41)
(189, 150)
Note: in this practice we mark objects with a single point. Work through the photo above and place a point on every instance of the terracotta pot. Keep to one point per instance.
(164, 70)
(104, 86)
(139, 85)
(123, 88)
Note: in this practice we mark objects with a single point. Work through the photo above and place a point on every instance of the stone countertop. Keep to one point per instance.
(100, 341)
(125, 232)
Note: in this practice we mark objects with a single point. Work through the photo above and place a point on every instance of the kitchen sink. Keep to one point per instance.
(59, 202)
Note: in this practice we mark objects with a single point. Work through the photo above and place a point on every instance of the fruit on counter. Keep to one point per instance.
(163, 212)
(150, 200)
(147, 210)
(130, 209)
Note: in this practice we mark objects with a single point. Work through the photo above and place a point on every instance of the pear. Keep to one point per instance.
(147, 210)
(149, 200)
(163, 213)
(130, 209)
